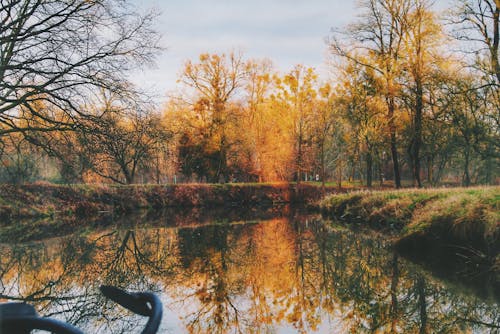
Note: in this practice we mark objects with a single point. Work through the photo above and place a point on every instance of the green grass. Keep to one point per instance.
(479, 204)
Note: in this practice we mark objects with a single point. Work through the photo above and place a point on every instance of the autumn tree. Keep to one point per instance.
(422, 38)
(215, 80)
(296, 94)
(258, 87)
(325, 116)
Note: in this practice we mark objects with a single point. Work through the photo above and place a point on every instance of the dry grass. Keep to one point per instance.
(416, 208)
(46, 200)
(465, 217)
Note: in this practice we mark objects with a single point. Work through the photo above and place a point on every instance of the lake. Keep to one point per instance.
(278, 272)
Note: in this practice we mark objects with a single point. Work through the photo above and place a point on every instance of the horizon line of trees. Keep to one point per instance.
(415, 97)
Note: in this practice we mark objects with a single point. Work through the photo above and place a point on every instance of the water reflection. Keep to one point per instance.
(278, 275)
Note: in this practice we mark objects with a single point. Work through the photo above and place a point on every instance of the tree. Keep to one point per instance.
(466, 114)
(379, 34)
(118, 146)
(19, 161)
(215, 80)
(63, 53)
(479, 22)
(422, 39)
(71, 157)
(323, 127)
(362, 110)
(297, 94)
(258, 87)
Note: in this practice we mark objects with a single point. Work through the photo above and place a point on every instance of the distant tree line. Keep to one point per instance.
(413, 98)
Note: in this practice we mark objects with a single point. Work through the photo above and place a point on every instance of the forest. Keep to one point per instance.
(412, 98)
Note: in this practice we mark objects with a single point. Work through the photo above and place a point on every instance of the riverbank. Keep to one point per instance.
(82, 201)
(463, 223)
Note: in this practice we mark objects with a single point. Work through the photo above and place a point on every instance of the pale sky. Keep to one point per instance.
(288, 32)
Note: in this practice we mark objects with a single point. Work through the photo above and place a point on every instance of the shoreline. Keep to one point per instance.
(422, 223)
(86, 201)
(454, 227)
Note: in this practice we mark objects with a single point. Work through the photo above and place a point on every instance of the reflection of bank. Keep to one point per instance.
(294, 273)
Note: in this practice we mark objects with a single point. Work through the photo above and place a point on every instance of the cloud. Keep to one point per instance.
(286, 31)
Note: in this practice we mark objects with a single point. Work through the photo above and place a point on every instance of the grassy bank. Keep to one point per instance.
(48, 200)
(462, 221)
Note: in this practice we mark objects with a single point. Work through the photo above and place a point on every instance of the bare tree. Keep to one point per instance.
(479, 22)
(119, 144)
(58, 53)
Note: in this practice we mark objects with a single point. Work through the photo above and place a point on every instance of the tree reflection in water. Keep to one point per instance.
(292, 274)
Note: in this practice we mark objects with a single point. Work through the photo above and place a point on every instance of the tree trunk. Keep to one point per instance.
(496, 41)
(353, 172)
(380, 173)
(369, 167)
(339, 174)
(323, 166)
(442, 164)
(128, 177)
(466, 177)
(222, 170)
(394, 149)
(158, 169)
(417, 136)
(299, 159)
(430, 164)
(489, 165)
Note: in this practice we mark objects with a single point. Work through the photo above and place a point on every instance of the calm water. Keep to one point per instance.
(288, 274)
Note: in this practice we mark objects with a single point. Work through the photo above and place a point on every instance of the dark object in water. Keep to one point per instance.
(22, 318)
(143, 303)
